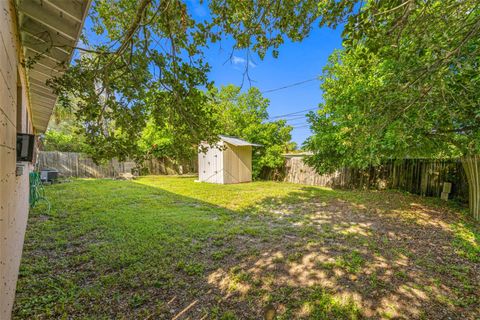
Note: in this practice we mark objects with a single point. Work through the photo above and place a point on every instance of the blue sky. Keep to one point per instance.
(297, 62)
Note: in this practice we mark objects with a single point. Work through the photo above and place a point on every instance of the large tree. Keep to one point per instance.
(406, 84)
(144, 59)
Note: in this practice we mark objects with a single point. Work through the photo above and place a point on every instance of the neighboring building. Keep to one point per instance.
(46, 30)
(230, 161)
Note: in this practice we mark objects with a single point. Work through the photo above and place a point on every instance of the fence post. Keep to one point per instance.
(77, 165)
(423, 178)
(471, 165)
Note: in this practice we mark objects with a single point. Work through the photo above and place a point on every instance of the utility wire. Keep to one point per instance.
(294, 118)
(297, 124)
(293, 113)
(304, 126)
(297, 117)
(290, 85)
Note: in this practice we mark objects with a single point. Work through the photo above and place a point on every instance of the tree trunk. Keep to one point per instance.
(471, 164)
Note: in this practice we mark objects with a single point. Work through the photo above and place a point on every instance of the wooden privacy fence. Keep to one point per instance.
(71, 164)
(418, 176)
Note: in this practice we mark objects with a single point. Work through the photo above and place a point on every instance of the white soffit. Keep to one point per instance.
(49, 30)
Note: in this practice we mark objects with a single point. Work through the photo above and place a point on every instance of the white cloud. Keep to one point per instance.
(241, 61)
(238, 60)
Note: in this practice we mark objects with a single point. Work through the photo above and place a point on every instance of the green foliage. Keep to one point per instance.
(59, 141)
(235, 113)
(145, 59)
(405, 85)
(63, 134)
(164, 142)
(245, 115)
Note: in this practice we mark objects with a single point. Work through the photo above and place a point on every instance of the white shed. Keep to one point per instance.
(230, 161)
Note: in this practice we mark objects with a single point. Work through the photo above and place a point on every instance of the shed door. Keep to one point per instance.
(202, 168)
(209, 174)
(211, 170)
(215, 169)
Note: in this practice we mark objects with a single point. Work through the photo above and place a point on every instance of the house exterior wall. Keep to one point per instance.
(237, 164)
(14, 190)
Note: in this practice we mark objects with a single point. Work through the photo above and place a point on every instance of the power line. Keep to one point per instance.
(290, 85)
(304, 126)
(296, 117)
(303, 116)
(297, 123)
(293, 113)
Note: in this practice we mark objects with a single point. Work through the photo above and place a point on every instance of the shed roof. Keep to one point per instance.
(238, 142)
(49, 31)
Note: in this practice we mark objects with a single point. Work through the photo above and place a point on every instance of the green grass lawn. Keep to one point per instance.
(170, 248)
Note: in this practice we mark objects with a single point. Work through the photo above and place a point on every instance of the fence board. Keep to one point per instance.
(418, 176)
(71, 164)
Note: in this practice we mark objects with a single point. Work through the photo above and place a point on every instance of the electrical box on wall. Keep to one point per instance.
(20, 169)
(25, 147)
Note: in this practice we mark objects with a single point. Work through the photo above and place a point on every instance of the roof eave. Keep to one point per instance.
(49, 31)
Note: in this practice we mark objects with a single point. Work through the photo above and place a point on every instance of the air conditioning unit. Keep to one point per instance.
(48, 175)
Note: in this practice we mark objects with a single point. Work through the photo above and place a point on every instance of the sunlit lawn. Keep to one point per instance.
(170, 248)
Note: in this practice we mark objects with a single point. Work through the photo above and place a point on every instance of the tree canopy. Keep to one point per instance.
(63, 134)
(406, 84)
(144, 59)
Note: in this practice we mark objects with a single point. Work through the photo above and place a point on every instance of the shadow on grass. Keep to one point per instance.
(388, 252)
(123, 249)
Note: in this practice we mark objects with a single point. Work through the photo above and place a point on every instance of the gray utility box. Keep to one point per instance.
(48, 175)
